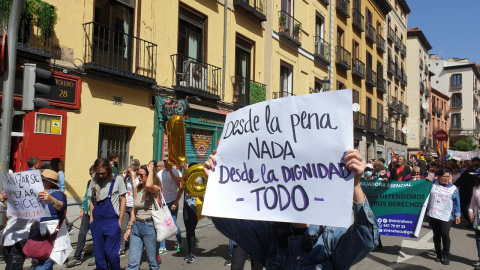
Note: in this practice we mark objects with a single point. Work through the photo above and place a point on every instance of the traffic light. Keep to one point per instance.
(31, 87)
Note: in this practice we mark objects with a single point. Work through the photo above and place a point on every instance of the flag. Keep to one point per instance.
(393, 154)
(419, 155)
(444, 150)
(439, 152)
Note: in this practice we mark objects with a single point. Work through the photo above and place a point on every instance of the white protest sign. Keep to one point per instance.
(22, 189)
(280, 160)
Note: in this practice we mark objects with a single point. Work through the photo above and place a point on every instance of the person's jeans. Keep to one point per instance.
(13, 256)
(174, 217)
(126, 220)
(45, 265)
(143, 235)
(239, 257)
(82, 236)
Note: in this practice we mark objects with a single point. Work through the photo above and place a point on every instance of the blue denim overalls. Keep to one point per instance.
(105, 233)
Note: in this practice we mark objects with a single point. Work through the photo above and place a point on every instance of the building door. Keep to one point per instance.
(113, 139)
(44, 138)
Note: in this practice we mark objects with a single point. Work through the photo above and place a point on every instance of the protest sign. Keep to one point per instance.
(22, 189)
(399, 207)
(461, 155)
(280, 160)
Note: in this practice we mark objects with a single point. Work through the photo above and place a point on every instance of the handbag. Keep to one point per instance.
(164, 225)
(40, 248)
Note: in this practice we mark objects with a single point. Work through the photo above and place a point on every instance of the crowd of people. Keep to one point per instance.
(117, 209)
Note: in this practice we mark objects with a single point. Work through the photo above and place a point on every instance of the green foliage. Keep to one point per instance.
(34, 12)
(257, 92)
(297, 28)
(467, 144)
(282, 20)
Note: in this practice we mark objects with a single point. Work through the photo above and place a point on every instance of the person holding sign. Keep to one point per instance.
(293, 246)
(444, 205)
(107, 208)
(56, 201)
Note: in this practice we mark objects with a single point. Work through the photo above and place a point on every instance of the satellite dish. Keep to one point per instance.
(356, 107)
(425, 106)
(405, 130)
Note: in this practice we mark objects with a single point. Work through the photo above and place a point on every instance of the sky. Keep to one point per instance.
(451, 27)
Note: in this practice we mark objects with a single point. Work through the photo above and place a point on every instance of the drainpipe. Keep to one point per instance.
(224, 47)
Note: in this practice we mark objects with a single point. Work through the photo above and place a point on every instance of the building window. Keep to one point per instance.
(242, 70)
(340, 37)
(456, 101)
(356, 96)
(379, 111)
(318, 85)
(456, 80)
(286, 79)
(340, 85)
(456, 120)
(355, 49)
(113, 139)
(191, 35)
(319, 26)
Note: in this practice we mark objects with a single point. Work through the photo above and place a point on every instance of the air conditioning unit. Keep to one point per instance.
(197, 75)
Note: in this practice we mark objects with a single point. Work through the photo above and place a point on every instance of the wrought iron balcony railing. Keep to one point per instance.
(405, 110)
(358, 19)
(393, 105)
(358, 68)
(381, 84)
(257, 8)
(32, 40)
(371, 77)
(456, 104)
(371, 33)
(391, 68)
(398, 135)
(322, 49)
(391, 35)
(110, 51)
(343, 6)
(426, 69)
(404, 78)
(281, 94)
(398, 72)
(196, 77)
(343, 57)
(391, 133)
(380, 43)
(360, 121)
(398, 43)
(241, 90)
(403, 50)
(421, 64)
(427, 92)
(422, 88)
(289, 26)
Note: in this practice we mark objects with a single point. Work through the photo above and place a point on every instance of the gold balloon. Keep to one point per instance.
(176, 140)
(191, 183)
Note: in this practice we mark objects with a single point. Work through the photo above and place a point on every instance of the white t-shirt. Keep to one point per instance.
(16, 230)
(170, 187)
(129, 194)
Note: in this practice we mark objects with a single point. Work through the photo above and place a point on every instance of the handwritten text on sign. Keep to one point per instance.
(22, 189)
(280, 160)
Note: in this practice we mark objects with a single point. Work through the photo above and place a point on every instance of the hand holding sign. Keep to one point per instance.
(285, 160)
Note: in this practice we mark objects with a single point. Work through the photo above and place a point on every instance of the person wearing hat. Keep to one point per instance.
(56, 201)
(368, 172)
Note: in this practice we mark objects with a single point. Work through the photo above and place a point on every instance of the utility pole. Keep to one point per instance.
(8, 92)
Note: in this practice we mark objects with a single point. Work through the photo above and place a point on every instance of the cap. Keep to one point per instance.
(370, 166)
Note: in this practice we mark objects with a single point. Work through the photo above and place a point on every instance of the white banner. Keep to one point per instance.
(461, 155)
(22, 190)
(280, 160)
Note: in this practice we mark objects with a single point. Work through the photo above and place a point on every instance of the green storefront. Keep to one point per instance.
(203, 126)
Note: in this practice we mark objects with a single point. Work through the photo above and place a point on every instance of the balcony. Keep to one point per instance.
(322, 50)
(380, 43)
(371, 33)
(343, 57)
(404, 78)
(398, 135)
(391, 68)
(281, 94)
(398, 43)
(381, 84)
(358, 20)
(391, 35)
(32, 43)
(456, 104)
(400, 107)
(360, 121)
(403, 50)
(371, 77)
(429, 117)
(393, 106)
(241, 91)
(196, 78)
(405, 110)
(398, 72)
(426, 69)
(257, 9)
(375, 126)
(343, 6)
(457, 125)
(289, 29)
(421, 64)
(358, 68)
(423, 113)
(427, 93)
(114, 54)
(421, 88)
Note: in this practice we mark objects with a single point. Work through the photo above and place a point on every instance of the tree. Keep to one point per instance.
(467, 144)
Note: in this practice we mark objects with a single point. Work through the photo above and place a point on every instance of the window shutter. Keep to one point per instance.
(129, 3)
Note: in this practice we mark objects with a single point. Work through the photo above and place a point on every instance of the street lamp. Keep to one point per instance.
(326, 84)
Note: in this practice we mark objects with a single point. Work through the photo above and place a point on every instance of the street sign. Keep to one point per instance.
(441, 135)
